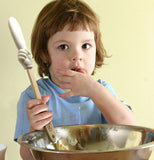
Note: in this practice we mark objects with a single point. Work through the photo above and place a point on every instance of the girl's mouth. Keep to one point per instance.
(74, 70)
(77, 69)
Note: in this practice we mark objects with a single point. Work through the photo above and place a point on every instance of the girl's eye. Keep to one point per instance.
(63, 47)
(86, 46)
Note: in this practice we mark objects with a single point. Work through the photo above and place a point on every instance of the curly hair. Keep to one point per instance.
(53, 18)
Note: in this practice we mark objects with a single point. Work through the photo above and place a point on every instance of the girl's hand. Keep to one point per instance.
(78, 83)
(38, 114)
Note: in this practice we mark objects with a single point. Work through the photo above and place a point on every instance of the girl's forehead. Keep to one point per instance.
(67, 31)
(74, 36)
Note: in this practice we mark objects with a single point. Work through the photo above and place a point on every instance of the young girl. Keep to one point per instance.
(66, 44)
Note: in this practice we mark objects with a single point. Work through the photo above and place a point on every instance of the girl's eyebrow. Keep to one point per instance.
(67, 41)
(87, 40)
(61, 41)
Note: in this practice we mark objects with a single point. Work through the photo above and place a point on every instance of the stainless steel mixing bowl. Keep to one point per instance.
(92, 142)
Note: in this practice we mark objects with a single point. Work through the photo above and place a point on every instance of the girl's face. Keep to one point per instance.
(72, 50)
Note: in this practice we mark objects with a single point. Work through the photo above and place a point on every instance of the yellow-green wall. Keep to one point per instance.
(128, 35)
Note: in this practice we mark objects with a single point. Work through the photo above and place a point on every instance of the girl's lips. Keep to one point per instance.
(77, 69)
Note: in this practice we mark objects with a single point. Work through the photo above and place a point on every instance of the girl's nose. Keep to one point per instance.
(77, 57)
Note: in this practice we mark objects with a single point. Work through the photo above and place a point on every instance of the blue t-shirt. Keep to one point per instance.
(66, 111)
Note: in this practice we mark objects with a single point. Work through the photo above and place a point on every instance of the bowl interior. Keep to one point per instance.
(93, 138)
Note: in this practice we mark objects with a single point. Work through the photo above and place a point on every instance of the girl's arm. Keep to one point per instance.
(81, 84)
(25, 153)
(113, 109)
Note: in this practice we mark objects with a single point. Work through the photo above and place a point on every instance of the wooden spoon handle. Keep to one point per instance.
(49, 127)
(34, 84)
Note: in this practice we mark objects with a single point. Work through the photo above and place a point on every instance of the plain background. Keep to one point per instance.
(128, 35)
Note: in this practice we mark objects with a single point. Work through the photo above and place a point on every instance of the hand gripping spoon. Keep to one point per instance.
(25, 58)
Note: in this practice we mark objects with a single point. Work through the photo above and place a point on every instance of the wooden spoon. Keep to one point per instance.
(25, 58)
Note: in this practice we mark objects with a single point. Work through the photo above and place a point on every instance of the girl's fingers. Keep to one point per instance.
(45, 98)
(42, 116)
(66, 72)
(40, 124)
(37, 112)
(34, 102)
(38, 109)
(40, 119)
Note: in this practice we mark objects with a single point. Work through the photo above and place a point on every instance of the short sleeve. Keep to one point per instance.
(22, 122)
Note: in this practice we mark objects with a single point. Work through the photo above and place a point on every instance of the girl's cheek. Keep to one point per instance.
(61, 64)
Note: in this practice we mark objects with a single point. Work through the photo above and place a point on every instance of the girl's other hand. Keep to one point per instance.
(79, 83)
(38, 114)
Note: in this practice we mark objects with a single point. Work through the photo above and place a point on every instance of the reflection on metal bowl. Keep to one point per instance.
(92, 142)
